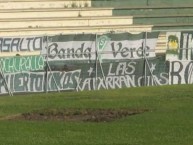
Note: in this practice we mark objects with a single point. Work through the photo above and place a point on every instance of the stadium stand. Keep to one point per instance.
(45, 14)
(33, 17)
(40, 17)
(162, 17)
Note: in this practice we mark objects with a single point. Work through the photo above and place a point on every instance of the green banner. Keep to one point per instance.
(21, 63)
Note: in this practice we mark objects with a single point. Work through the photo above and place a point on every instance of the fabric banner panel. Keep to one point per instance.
(181, 72)
(110, 75)
(109, 46)
(79, 77)
(93, 62)
(22, 44)
(126, 45)
(37, 81)
(70, 47)
(186, 45)
(179, 46)
(157, 71)
(22, 63)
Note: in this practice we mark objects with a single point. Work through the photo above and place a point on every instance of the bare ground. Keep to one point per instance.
(85, 115)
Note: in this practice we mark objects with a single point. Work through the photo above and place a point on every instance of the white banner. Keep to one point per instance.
(85, 50)
(181, 72)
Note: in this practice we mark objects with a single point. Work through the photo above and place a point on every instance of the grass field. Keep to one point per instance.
(169, 120)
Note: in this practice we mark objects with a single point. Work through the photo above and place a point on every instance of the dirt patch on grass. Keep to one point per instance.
(85, 115)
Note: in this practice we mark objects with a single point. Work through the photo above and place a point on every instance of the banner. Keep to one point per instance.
(93, 62)
(37, 81)
(181, 72)
(21, 44)
(111, 75)
(21, 63)
(179, 46)
(114, 46)
(79, 77)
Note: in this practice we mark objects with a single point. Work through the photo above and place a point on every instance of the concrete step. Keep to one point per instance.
(136, 3)
(161, 45)
(65, 22)
(31, 4)
(39, 13)
(150, 11)
(75, 30)
(173, 27)
(164, 19)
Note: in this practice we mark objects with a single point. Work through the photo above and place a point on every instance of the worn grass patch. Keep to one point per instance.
(85, 115)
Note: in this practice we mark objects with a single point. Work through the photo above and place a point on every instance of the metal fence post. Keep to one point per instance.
(144, 57)
(96, 57)
(6, 84)
(46, 65)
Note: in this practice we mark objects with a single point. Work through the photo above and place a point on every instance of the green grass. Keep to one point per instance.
(169, 121)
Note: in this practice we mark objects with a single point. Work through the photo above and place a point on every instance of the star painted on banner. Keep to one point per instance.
(122, 66)
(90, 71)
(152, 67)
